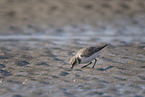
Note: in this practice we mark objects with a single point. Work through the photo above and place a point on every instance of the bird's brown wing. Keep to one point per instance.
(91, 50)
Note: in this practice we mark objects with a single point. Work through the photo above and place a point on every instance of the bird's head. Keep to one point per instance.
(73, 61)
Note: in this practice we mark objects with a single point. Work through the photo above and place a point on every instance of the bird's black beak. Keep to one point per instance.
(72, 67)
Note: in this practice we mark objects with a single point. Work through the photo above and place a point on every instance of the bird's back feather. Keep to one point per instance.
(88, 51)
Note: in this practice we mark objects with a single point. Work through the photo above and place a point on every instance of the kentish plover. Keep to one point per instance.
(86, 55)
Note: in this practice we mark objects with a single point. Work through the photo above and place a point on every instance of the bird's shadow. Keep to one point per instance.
(105, 69)
(100, 69)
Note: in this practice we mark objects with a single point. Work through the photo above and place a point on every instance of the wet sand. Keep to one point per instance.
(37, 39)
(34, 68)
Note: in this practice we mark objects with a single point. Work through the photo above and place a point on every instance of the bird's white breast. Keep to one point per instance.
(88, 59)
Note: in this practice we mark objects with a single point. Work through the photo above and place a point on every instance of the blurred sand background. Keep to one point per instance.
(50, 16)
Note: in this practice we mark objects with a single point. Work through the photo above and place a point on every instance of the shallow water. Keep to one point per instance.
(38, 37)
(37, 65)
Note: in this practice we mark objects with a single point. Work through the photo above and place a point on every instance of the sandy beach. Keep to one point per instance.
(38, 38)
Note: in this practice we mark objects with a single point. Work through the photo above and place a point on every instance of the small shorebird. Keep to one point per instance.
(86, 55)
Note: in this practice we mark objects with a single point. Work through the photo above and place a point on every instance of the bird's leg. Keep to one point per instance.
(87, 65)
(94, 63)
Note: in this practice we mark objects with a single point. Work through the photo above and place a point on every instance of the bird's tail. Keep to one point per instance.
(103, 46)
